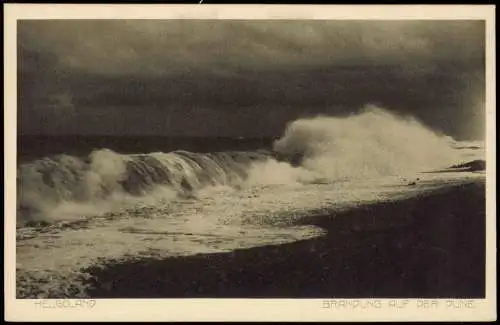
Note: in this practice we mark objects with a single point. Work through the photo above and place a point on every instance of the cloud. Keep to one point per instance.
(129, 75)
(164, 47)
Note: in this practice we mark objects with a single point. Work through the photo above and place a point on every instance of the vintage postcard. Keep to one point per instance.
(275, 163)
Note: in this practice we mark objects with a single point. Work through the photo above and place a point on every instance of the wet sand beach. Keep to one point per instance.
(432, 245)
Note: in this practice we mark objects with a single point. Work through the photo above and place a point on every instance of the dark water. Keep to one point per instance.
(31, 147)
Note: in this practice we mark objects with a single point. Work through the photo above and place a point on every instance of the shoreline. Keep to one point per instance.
(429, 246)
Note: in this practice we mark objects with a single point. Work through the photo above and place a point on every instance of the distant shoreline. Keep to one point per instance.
(430, 246)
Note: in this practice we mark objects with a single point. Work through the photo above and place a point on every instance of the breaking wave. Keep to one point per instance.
(50, 188)
(373, 143)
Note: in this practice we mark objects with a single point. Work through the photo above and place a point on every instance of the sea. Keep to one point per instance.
(86, 201)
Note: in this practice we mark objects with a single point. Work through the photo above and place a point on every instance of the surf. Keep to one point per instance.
(323, 149)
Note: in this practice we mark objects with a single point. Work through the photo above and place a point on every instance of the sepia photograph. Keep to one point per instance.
(333, 159)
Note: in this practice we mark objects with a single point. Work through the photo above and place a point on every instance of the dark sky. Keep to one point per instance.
(244, 78)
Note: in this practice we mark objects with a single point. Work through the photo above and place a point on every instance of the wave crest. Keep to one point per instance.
(373, 143)
(46, 185)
